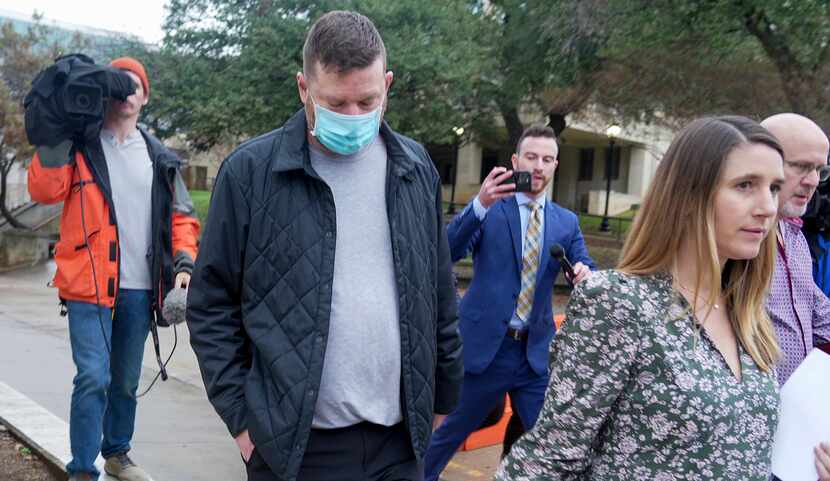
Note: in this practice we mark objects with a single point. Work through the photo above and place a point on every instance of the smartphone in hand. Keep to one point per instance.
(522, 180)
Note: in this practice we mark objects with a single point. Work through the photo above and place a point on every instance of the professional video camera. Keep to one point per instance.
(817, 217)
(67, 100)
(817, 231)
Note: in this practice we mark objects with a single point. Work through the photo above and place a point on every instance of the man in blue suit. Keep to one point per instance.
(506, 314)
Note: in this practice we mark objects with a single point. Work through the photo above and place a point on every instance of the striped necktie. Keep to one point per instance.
(530, 262)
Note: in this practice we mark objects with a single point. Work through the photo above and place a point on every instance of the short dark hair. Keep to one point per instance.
(537, 130)
(342, 41)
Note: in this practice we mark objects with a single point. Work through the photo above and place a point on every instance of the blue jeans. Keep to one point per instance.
(103, 396)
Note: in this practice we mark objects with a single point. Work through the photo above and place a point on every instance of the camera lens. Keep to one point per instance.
(83, 101)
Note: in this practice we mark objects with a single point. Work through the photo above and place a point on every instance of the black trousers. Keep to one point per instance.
(363, 452)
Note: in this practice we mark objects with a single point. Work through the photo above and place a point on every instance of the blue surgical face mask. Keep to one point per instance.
(345, 134)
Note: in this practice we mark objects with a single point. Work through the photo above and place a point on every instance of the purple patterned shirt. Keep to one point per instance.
(799, 310)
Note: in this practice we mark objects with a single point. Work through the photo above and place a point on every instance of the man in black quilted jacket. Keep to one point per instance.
(322, 307)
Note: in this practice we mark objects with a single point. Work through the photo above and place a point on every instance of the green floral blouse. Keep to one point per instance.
(637, 392)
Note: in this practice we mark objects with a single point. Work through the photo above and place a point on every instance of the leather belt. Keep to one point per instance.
(517, 334)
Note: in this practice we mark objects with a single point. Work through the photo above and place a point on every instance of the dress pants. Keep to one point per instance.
(509, 372)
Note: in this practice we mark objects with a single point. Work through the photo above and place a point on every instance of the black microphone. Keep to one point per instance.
(558, 253)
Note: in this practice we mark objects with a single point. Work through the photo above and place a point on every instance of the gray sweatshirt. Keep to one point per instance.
(362, 367)
(131, 177)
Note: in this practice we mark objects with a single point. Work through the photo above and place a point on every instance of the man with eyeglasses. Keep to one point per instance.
(799, 310)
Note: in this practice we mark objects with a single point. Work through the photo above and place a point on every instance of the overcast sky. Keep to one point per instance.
(138, 17)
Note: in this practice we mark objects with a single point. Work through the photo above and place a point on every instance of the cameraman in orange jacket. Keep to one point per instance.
(128, 234)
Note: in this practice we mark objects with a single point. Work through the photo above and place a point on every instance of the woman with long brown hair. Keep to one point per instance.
(664, 367)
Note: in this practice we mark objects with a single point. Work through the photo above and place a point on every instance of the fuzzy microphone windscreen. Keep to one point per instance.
(175, 305)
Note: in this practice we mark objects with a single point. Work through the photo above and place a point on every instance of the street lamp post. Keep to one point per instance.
(613, 131)
(459, 131)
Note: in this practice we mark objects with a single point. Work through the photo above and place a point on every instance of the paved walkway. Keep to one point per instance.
(178, 436)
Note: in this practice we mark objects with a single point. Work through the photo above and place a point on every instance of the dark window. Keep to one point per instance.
(444, 156)
(615, 163)
(586, 164)
(489, 159)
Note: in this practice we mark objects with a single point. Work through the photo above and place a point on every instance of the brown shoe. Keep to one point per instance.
(122, 467)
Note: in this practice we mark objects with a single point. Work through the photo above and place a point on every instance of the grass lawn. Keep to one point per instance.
(590, 223)
(201, 201)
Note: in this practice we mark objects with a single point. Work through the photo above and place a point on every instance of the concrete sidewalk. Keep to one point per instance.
(178, 435)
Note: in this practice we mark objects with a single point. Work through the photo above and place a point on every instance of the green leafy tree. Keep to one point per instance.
(780, 46)
(546, 55)
(649, 59)
(227, 68)
(22, 56)
(13, 147)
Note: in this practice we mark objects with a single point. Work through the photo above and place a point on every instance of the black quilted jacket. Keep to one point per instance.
(260, 297)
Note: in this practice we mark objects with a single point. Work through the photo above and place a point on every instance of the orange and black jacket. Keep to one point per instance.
(81, 181)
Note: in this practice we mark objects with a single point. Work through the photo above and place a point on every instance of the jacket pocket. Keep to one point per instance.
(74, 269)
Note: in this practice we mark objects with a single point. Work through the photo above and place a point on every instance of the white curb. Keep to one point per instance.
(39, 428)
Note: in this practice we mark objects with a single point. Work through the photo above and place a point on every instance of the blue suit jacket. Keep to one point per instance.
(486, 308)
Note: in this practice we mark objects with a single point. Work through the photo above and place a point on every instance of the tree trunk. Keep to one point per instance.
(5, 167)
(799, 81)
(513, 123)
(557, 122)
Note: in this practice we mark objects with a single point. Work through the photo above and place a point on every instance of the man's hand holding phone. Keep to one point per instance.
(493, 189)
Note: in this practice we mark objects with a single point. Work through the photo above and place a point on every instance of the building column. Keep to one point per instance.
(467, 182)
(641, 170)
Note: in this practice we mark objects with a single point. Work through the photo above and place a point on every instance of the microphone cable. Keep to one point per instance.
(163, 366)
(81, 183)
